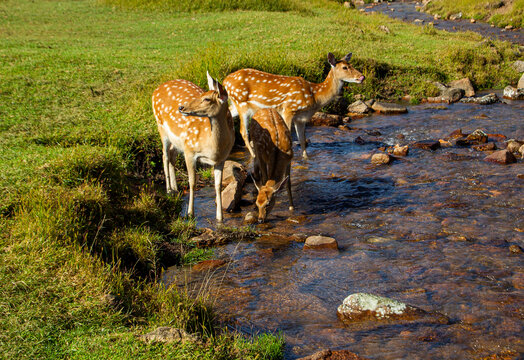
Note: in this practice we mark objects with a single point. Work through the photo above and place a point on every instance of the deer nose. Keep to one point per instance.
(180, 108)
(362, 78)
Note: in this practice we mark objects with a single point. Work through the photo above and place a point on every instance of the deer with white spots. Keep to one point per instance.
(295, 98)
(197, 124)
(273, 153)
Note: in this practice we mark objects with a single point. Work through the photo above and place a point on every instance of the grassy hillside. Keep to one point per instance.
(86, 227)
(497, 12)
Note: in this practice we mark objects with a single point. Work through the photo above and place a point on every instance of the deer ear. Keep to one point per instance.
(222, 93)
(210, 81)
(348, 57)
(254, 182)
(279, 185)
(331, 59)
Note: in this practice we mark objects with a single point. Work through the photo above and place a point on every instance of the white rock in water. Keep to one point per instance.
(378, 306)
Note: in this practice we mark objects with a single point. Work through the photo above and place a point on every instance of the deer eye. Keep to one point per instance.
(207, 99)
(345, 68)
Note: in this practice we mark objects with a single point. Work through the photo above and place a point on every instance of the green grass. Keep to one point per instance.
(86, 227)
(499, 13)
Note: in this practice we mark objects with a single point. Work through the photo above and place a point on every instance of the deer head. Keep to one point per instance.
(342, 70)
(266, 197)
(209, 104)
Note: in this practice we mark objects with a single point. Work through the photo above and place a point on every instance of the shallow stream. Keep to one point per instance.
(432, 229)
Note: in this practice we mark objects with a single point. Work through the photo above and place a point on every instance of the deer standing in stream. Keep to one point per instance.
(273, 153)
(293, 97)
(197, 124)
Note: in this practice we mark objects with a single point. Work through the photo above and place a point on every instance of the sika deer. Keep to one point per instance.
(197, 124)
(273, 153)
(295, 99)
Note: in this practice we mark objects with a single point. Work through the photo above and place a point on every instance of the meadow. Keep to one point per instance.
(86, 228)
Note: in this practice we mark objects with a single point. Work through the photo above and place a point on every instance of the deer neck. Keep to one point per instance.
(221, 128)
(327, 90)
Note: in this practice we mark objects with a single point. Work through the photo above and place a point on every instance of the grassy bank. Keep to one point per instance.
(86, 226)
(497, 12)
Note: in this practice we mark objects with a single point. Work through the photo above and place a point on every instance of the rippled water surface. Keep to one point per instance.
(432, 229)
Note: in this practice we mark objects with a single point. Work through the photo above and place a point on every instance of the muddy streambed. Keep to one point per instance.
(432, 229)
(406, 11)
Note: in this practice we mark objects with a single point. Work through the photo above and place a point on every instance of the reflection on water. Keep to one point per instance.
(432, 229)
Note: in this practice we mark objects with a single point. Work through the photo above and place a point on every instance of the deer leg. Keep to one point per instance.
(169, 169)
(171, 165)
(218, 189)
(289, 195)
(244, 125)
(300, 128)
(191, 173)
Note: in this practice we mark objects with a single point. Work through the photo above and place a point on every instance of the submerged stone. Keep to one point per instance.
(362, 307)
(427, 145)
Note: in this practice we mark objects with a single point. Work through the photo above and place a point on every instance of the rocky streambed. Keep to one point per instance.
(440, 228)
(412, 11)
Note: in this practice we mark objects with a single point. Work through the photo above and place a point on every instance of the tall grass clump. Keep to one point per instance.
(210, 5)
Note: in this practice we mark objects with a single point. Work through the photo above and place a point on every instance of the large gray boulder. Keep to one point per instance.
(519, 66)
(464, 84)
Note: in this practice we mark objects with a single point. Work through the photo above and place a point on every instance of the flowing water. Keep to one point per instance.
(432, 229)
(406, 11)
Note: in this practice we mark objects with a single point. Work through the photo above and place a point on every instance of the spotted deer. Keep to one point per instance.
(295, 99)
(273, 153)
(197, 124)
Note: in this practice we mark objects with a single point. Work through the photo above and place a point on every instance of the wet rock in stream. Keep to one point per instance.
(320, 242)
(426, 145)
(513, 146)
(388, 108)
(323, 119)
(359, 108)
(381, 159)
(501, 157)
(364, 307)
(513, 93)
(482, 100)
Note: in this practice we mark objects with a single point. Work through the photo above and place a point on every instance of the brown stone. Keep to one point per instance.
(381, 159)
(426, 145)
(456, 134)
(400, 150)
(250, 218)
(464, 84)
(323, 119)
(321, 242)
(233, 171)
(485, 147)
(501, 157)
(521, 151)
(388, 108)
(333, 355)
(358, 107)
(231, 196)
(208, 265)
(520, 85)
(477, 137)
(515, 249)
